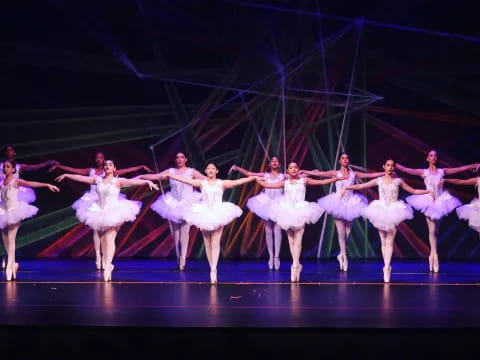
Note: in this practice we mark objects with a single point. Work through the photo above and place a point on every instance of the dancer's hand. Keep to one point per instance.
(60, 178)
(476, 167)
(342, 193)
(53, 168)
(432, 194)
(233, 168)
(53, 188)
(147, 169)
(152, 186)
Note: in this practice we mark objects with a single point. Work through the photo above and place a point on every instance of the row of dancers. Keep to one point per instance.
(281, 205)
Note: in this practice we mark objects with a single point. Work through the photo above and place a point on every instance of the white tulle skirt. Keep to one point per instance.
(387, 218)
(170, 208)
(295, 216)
(211, 218)
(261, 205)
(347, 208)
(112, 215)
(26, 194)
(471, 213)
(21, 212)
(434, 209)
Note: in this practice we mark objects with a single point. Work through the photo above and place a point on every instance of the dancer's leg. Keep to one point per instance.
(269, 225)
(277, 235)
(433, 229)
(184, 237)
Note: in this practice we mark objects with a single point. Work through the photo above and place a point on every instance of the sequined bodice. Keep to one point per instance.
(8, 195)
(212, 193)
(269, 179)
(178, 189)
(431, 181)
(340, 184)
(92, 173)
(107, 193)
(388, 193)
(294, 192)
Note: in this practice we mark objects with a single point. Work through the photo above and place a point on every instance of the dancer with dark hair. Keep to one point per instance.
(108, 211)
(13, 211)
(292, 212)
(171, 205)
(435, 208)
(211, 213)
(91, 195)
(261, 205)
(387, 212)
(343, 209)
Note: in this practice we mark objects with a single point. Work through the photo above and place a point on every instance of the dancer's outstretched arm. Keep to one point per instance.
(35, 167)
(228, 184)
(154, 177)
(449, 171)
(309, 181)
(277, 185)
(137, 182)
(145, 168)
(318, 173)
(36, 184)
(411, 190)
(417, 172)
(69, 169)
(471, 181)
(79, 178)
(244, 172)
(194, 182)
(362, 175)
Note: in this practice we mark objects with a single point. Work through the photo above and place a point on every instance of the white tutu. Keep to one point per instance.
(261, 205)
(20, 212)
(434, 209)
(170, 208)
(211, 218)
(387, 217)
(471, 213)
(88, 198)
(348, 208)
(295, 216)
(112, 215)
(26, 194)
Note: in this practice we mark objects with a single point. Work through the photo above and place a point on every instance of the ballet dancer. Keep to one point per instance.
(436, 208)
(171, 204)
(387, 212)
(13, 211)
(469, 212)
(343, 209)
(89, 196)
(211, 214)
(261, 204)
(108, 211)
(291, 212)
(25, 194)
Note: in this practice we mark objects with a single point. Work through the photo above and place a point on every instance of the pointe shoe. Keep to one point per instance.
(345, 262)
(340, 261)
(213, 276)
(107, 273)
(436, 265)
(430, 262)
(293, 273)
(386, 274)
(270, 263)
(299, 270)
(276, 262)
(99, 263)
(11, 272)
(181, 265)
(4, 262)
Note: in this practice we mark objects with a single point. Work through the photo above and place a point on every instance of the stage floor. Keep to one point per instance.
(152, 293)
